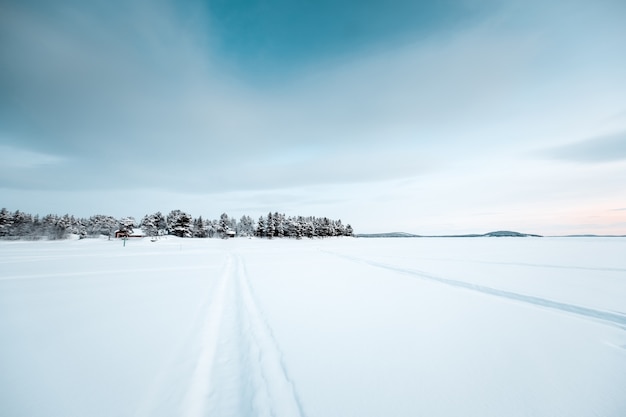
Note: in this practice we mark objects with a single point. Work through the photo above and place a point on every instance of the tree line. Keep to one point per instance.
(21, 225)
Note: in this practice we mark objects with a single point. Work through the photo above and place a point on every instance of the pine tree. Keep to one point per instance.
(280, 224)
(224, 224)
(199, 229)
(6, 219)
(245, 226)
(179, 223)
(24, 225)
(270, 226)
(101, 225)
(309, 228)
(153, 224)
(211, 228)
(56, 227)
(340, 230)
(261, 226)
(127, 225)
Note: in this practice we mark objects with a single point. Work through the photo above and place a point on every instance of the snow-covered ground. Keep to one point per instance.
(335, 327)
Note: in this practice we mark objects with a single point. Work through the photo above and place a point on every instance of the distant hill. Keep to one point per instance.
(506, 233)
(499, 233)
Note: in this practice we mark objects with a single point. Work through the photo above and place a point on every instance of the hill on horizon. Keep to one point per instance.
(499, 233)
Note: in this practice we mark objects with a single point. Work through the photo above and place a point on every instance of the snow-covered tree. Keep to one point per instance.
(309, 229)
(211, 228)
(78, 227)
(270, 226)
(261, 227)
(55, 227)
(126, 224)
(295, 227)
(179, 223)
(279, 220)
(20, 224)
(340, 230)
(154, 224)
(245, 227)
(199, 228)
(6, 221)
(23, 225)
(224, 224)
(101, 225)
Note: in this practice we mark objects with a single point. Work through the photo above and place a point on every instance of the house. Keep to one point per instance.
(229, 234)
(126, 234)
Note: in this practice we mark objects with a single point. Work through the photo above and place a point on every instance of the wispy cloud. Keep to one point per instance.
(593, 150)
(16, 158)
(29, 169)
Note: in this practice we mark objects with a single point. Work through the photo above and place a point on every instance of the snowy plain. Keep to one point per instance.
(319, 328)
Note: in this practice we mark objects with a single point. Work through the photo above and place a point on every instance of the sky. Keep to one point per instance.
(457, 116)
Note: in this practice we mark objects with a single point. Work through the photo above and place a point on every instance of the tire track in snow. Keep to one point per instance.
(614, 318)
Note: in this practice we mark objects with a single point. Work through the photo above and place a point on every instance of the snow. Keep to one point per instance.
(333, 327)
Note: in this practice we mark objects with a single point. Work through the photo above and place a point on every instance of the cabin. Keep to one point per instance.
(229, 233)
(120, 234)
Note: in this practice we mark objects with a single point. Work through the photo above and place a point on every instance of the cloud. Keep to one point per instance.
(16, 158)
(601, 149)
(25, 168)
(138, 96)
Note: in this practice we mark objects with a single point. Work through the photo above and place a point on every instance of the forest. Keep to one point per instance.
(20, 225)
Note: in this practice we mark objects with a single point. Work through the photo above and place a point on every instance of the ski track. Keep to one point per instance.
(170, 383)
(277, 396)
(531, 265)
(239, 370)
(196, 399)
(614, 318)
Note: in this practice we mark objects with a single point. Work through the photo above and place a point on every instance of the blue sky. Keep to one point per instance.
(447, 117)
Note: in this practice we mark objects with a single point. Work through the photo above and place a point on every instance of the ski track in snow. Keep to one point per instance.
(196, 399)
(239, 370)
(531, 265)
(613, 318)
(162, 391)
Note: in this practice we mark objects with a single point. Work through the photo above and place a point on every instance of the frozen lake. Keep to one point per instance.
(319, 328)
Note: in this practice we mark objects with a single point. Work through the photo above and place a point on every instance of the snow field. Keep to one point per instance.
(335, 327)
